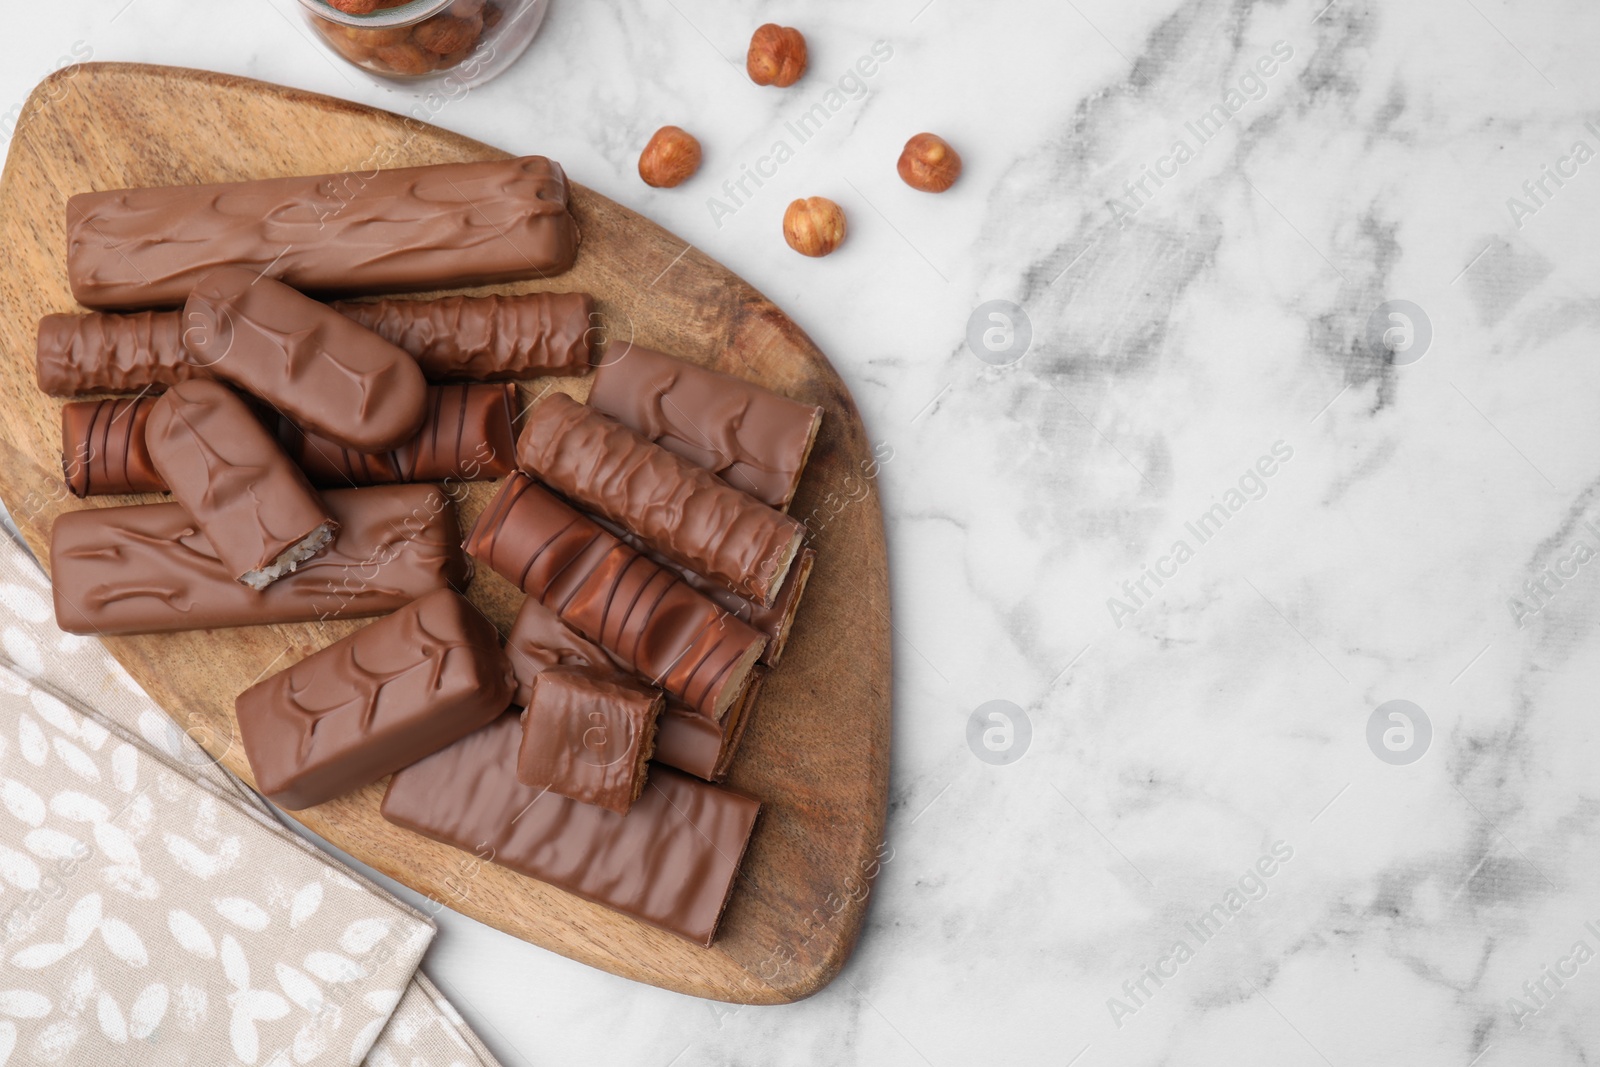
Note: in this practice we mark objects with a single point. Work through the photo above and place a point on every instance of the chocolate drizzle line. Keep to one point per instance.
(668, 634)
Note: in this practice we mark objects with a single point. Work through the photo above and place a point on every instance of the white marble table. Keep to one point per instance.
(1199, 655)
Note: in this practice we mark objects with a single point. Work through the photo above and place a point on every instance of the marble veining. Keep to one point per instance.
(1194, 830)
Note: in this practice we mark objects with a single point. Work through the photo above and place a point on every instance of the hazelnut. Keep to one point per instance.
(363, 7)
(813, 227)
(405, 58)
(444, 34)
(929, 163)
(777, 56)
(671, 158)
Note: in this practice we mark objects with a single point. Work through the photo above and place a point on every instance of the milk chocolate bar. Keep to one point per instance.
(670, 862)
(776, 621)
(475, 338)
(682, 511)
(589, 737)
(685, 738)
(103, 449)
(466, 436)
(691, 742)
(752, 438)
(146, 568)
(486, 338)
(327, 373)
(637, 610)
(79, 354)
(371, 703)
(383, 231)
(245, 495)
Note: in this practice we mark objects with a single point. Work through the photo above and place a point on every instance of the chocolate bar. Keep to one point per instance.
(477, 338)
(681, 511)
(79, 354)
(685, 738)
(466, 436)
(752, 438)
(146, 568)
(670, 862)
(691, 742)
(384, 231)
(103, 449)
(245, 495)
(539, 641)
(589, 737)
(638, 611)
(328, 374)
(486, 338)
(775, 621)
(371, 703)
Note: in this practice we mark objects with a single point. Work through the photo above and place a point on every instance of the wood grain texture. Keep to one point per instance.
(817, 751)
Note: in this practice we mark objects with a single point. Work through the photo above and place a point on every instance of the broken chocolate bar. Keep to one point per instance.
(589, 737)
(249, 499)
(147, 568)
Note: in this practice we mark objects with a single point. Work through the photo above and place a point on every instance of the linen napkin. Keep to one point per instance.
(152, 909)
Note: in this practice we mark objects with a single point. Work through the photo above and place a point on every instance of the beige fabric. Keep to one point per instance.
(255, 947)
(145, 917)
(427, 1031)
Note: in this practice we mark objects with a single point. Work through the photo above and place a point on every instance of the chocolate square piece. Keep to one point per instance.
(588, 737)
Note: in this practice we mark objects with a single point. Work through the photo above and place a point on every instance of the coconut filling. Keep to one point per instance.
(292, 557)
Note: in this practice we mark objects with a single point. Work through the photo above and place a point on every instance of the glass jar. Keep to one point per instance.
(466, 41)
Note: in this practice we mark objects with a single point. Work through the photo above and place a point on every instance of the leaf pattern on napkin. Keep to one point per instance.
(128, 941)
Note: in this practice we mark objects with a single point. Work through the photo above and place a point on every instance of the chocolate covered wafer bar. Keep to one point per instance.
(147, 568)
(96, 353)
(486, 338)
(589, 737)
(327, 373)
(245, 495)
(483, 338)
(670, 862)
(752, 438)
(689, 741)
(682, 511)
(385, 231)
(371, 703)
(776, 620)
(466, 436)
(685, 738)
(103, 448)
(638, 611)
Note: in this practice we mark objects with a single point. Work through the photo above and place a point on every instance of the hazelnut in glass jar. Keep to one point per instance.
(469, 41)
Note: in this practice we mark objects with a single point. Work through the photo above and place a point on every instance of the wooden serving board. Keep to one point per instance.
(816, 752)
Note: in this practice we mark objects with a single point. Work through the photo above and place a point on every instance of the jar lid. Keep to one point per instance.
(403, 15)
